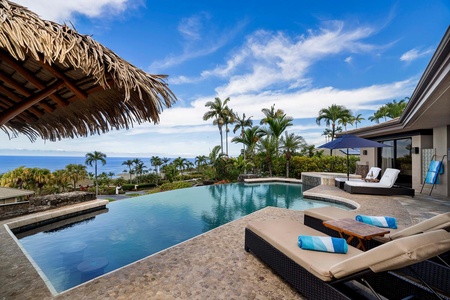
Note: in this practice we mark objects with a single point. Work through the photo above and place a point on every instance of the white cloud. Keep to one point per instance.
(268, 60)
(348, 59)
(200, 39)
(191, 28)
(60, 11)
(414, 54)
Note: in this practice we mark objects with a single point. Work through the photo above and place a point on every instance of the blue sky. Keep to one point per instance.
(299, 55)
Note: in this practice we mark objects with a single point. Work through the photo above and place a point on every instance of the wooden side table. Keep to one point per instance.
(353, 229)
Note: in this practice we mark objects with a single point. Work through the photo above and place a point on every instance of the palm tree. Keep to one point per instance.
(200, 160)
(111, 174)
(356, 119)
(344, 121)
(395, 109)
(290, 143)
(331, 116)
(229, 118)
(165, 160)
(40, 177)
(218, 109)
(267, 148)
(214, 155)
(271, 114)
(180, 163)
(156, 162)
(277, 126)
(379, 114)
(129, 163)
(92, 158)
(250, 139)
(76, 172)
(242, 123)
(139, 168)
(61, 179)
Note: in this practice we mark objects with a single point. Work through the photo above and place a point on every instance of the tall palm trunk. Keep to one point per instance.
(96, 181)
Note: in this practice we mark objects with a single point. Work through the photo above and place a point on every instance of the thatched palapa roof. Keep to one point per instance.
(56, 83)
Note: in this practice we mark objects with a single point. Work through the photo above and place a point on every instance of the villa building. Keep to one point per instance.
(9, 195)
(422, 132)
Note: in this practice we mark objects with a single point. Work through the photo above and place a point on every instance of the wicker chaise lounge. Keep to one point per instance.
(435, 272)
(384, 187)
(321, 275)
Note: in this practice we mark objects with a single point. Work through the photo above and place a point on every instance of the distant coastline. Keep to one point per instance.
(113, 164)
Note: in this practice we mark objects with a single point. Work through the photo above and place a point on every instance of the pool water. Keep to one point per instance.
(134, 228)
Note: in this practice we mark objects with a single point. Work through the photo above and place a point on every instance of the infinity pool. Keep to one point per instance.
(72, 253)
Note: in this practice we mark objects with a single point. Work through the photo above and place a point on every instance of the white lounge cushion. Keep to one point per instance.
(373, 173)
(389, 177)
(387, 180)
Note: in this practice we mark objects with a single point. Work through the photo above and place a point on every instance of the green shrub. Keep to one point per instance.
(171, 186)
(128, 187)
(146, 186)
(337, 164)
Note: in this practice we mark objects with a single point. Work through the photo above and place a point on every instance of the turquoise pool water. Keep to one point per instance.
(72, 253)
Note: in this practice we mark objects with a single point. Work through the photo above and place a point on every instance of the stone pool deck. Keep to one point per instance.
(211, 266)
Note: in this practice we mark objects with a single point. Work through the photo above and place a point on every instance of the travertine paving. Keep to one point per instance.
(211, 266)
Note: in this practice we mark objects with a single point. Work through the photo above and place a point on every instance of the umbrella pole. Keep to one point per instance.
(348, 167)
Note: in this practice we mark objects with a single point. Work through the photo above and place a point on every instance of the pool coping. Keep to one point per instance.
(272, 179)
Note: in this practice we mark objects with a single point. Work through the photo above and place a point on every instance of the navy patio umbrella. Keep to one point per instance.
(351, 141)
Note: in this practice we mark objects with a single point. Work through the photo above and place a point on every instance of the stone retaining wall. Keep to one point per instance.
(36, 204)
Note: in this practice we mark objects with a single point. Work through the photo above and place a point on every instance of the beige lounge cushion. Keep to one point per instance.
(283, 235)
(396, 254)
(441, 221)
(327, 213)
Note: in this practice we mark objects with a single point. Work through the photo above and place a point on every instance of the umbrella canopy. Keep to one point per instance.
(56, 83)
(351, 141)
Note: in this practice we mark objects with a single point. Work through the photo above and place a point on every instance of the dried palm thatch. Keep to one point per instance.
(56, 83)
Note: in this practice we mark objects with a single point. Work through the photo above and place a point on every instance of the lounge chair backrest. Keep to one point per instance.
(389, 177)
(441, 221)
(396, 254)
(373, 173)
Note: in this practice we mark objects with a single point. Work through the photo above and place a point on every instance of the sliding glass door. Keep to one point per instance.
(398, 156)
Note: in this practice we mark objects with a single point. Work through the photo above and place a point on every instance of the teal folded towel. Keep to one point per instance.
(387, 222)
(323, 243)
(434, 170)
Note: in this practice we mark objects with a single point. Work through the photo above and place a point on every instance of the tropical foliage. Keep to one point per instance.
(267, 149)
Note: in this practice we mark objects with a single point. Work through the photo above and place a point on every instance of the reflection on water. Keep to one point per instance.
(232, 201)
(73, 251)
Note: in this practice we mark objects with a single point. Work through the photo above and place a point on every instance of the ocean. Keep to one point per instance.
(113, 164)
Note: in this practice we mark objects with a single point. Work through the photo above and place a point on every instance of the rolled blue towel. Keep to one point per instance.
(386, 222)
(323, 243)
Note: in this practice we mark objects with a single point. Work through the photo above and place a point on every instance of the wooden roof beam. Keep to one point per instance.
(20, 88)
(20, 107)
(93, 90)
(69, 84)
(30, 77)
(17, 99)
